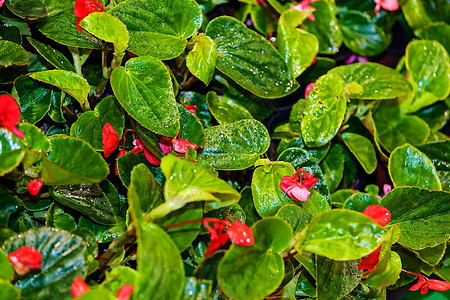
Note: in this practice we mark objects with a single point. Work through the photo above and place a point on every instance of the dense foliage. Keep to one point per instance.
(166, 149)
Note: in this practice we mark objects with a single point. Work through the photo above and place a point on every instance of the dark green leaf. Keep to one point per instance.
(104, 234)
(11, 33)
(432, 255)
(190, 127)
(30, 9)
(360, 201)
(56, 217)
(127, 162)
(34, 98)
(12, 54)
(226, 110)
(363, 150)
(295, 216)
(239, 57)
(195, 289)
(37, 144)
(53, 56)
(8, 205)
(332, 167)
(199, 101)
(12, 151)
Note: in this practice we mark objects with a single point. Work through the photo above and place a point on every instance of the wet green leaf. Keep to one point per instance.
(295, 216)
(226, 110)
(30, 9)
(53, 56)
(12, 151)
(56, 217)
(363, 150)
(201, 60)
(438, 31)
(127, 162)
(332, 167)
(195, 289)
(190, 127)
(432, 255)
(34, 98)
(12, 54)
(104, 234)
(37, 144)
(360, 201)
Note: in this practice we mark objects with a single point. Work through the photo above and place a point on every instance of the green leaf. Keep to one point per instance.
(436, 115)
(118, 277)
(190, 127)
(394, 129)
(428, 66)
(332, 167)
(238, 274)
(195, 289)
(7, 267)
(266, 75)
(11, 33)
(12, 151)
(438, 31)
(439, 154)
(63, 259)
(324, 112)
(8, 206)
(325, 27)
(12, 54)
(88, 199)
(159, 28)
(51, 55)
(235, 146)
(300, 158)
(201, 60)
(417, 13)
(187, 182)
(316, 204)
(72, 161)
(334, 279)
(432, 255)
(90, 124)
(341, 235)
(362, 35)
(9, 291)
(363, 150)
(268, 197)
(410, 167)
(127, 162)
(143, 87)
(37, 144)
(198, 100)
(296, 46)
(104, 234)
(108, 28)
(95, 294)
(56, 217)
(295, 216)
(360, 201)
(70, 82)
(390, 275)
(226, 110)
(443, 270)
(34, 98)
(30, 9)
(379, 82)
(422, 216)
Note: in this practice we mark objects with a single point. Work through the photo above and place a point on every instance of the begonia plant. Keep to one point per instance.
(224, 149)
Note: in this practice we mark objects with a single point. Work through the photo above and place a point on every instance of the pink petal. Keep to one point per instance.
(309, 87)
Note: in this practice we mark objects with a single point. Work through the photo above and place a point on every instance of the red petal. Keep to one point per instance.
(191, 108)
(240, 234)
(110, 139)
(151, 158)
(370, 261)
(165, 144)
(17, 132)
(298, 192)
(81, 8)
(28, 255)
(286, 183)
(182, 145)
(390, 5)
(379, 214)
(124, 292)
(79, 287)
(309, 87)
(424, 289)
(34, 186)
(9, 111)
(438, 285)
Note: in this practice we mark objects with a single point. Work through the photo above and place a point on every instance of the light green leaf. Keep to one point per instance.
(363, 150)
(12, 151)
(12, 54)
(390, 275)
(37, 144)
(201, 60)
(226, 110)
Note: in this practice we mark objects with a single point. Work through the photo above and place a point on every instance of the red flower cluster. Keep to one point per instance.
(239, 234)
(303, 6)
(34, 186)
(79, 288)
(390, 5)
(10, 114)
(83, 8)
(1, 2)
(382, 216)
(24, 259)
(297, 189)
(424, 284)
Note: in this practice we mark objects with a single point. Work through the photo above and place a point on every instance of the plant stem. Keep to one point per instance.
(116, 247)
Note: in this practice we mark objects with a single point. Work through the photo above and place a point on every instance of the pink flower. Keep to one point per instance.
(379, 214)
(354, 58)
(297, 189)
(79, 287)
(424, 284)
(124, 292)
(387, 188)
(370, 261)
(83, 8)
(25, 259)
(110, 139)
(304, 6)
(139, 147)
(1, 2)
(308, 89)
(166, 145)
(389, 5)
(34, 186)
(10, 114)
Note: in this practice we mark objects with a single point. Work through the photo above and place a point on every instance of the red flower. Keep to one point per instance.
(370, 261)
(191, 108)
(124, 292)
(139, 147)
(79, 287)
(298, 190)
(1, 2)
(83, 8)
(379, 214)
(166, 145)
(308, 89)
(424, 284)
(34, 186)
(304, 6)
(10, 114)
(239, 234)
(25, 259)
(110, 139)
(390, 5)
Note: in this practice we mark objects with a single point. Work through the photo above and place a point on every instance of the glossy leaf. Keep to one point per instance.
(56, 217)
(394, 129)
(190, 127)
(187, 182)
(363, 150)
(201, 60)
(439, 154)
(296, 46)
(379, 82)
(127, 162)
(428, 67)
(195, 289)
(316, 204)
(325, 111)
(12, 151)
(239, 58)
(417, 13)
(360, 201)
(268, 197)
(103, 234)
(118, 277)
(8, 206)
(432, 255)
(237, 273)
(390, 275)
(438, 31)
(300, 158)
(410, 167)
(226, 110)
(63, 259)
(325, 27)
(34, 98)
(295, 216)
(53, 56)
(72, 161)
(30, 9)
(235, 146)
(159, 28)
(143, 87)
(341, 235)
(332, 167)
(334, 278)
(70, 82)
(37, 144)
(12, 54)
(422, 216)
(9, 291)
